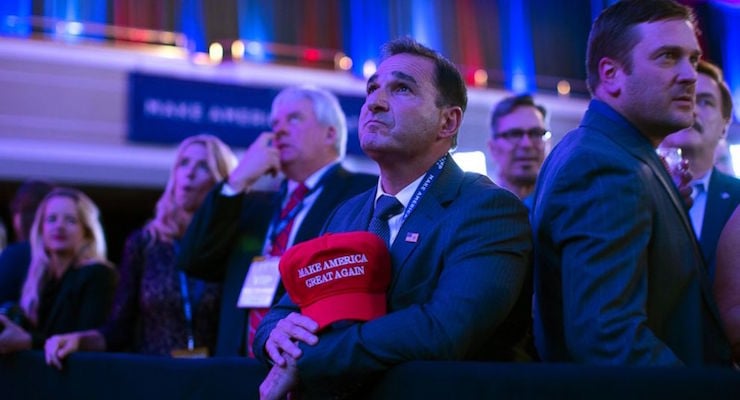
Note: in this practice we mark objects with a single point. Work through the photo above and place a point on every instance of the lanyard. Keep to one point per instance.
(187, 301)
(279, 224)
(432, 174)
(187, 308)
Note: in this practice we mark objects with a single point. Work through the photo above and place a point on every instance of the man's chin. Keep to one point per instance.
(682, 138)
(526, 178)
(526, 168)
(287, 158)
(682, 120)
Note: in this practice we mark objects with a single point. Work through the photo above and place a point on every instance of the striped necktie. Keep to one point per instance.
(385, 208)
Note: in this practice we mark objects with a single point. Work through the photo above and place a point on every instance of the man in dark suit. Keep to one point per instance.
(619, 277)
(237, 223)
(715, 194)
(460, 245)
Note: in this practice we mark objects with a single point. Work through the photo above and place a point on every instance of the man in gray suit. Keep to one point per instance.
(619, 277)
(715, 194)
(460, 245)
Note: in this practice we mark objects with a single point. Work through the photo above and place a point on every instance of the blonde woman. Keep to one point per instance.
(70, 283)
(157, 309)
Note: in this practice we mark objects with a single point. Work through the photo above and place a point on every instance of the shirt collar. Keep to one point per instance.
(404, 196)
(312, 180)
(704, 181)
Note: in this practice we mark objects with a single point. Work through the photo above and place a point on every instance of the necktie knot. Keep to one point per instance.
(300, 191)
(698, 189)
(387, 207)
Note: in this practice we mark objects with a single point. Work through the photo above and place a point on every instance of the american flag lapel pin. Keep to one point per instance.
(725, 195)
(412, 237)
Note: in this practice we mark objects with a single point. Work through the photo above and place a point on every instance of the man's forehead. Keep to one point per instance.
(403, 66)
(678, 33)
(291, 105)
(705, 84)
(522, 113)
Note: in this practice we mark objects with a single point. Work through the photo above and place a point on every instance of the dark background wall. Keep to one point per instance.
(545, 37)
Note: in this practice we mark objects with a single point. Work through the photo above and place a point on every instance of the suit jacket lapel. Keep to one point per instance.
(59, 300)
(331, 192)
(666, 181)
(426, 215)
(362, 219)
(627, 137)
(718, 205)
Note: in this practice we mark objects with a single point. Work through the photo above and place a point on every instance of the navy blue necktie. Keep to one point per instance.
(385, 208)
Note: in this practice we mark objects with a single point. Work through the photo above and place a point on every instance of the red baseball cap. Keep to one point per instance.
(338, 276)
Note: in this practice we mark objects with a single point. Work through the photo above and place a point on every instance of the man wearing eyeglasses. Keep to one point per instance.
(518, 144)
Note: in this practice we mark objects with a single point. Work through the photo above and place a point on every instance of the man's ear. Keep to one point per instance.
(492, 148)
(611, 75)
(331, 135)
(725, 129)
(450, 121)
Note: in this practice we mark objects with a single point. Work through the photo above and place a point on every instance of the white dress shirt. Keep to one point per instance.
(404, 197)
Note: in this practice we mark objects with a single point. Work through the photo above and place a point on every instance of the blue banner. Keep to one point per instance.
(167, 110)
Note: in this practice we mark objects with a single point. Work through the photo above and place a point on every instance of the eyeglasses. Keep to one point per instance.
(514, 136)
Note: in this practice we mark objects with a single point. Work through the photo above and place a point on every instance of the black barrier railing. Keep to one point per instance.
(127, 376)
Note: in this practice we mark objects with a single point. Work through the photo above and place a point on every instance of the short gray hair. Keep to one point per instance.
(325, 106)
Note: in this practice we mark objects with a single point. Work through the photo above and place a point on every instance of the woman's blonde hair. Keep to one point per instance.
(170, 220)
(92, 250)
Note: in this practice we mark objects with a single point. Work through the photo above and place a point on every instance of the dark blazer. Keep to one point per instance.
(14, 262)
(722, 198)
(456, 288)
(227, 232)
(619, 277)
(82, 301)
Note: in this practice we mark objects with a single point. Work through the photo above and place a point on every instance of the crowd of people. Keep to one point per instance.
(593, 251)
